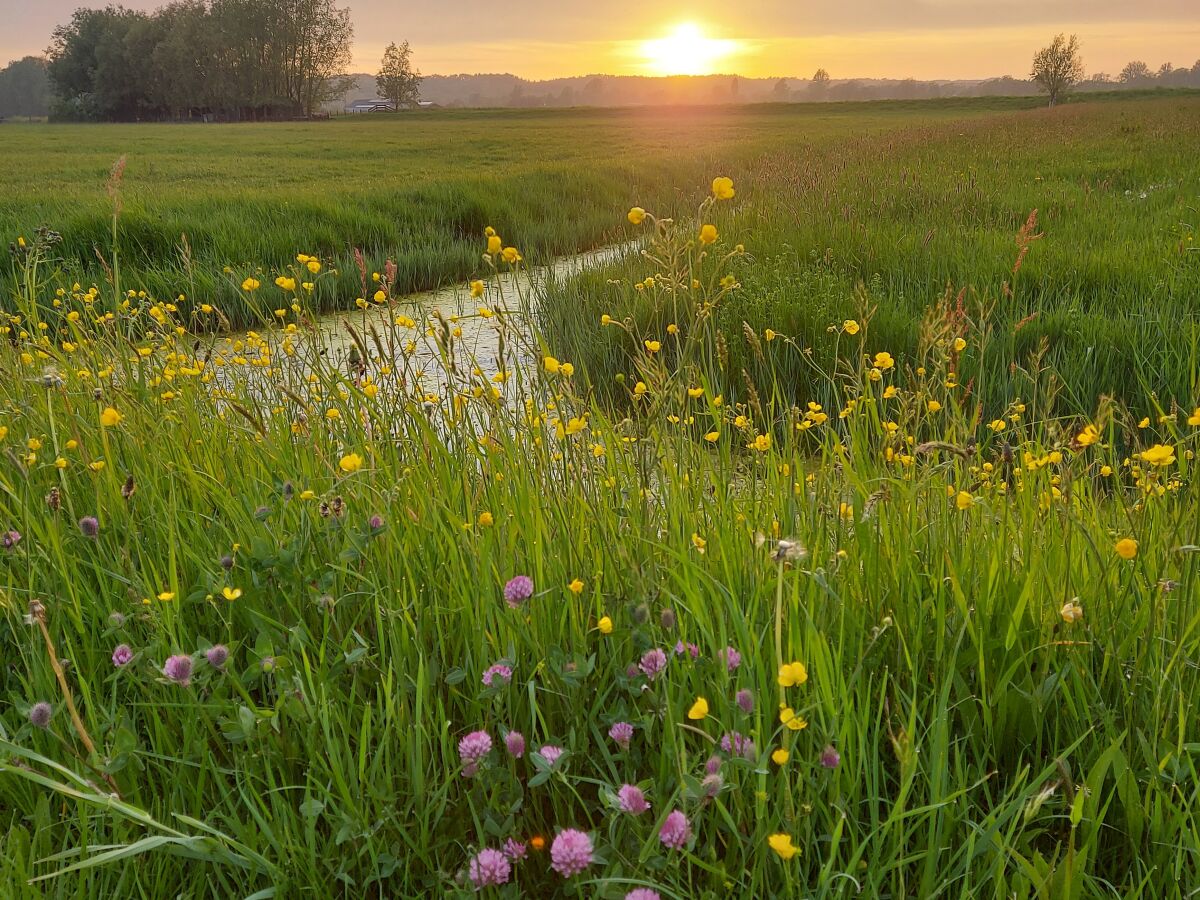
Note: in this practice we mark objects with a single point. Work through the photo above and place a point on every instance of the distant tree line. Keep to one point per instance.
(637, 90)
(24, 88)
(228, 59)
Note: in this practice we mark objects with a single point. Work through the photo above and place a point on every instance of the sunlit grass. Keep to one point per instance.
(987, 621)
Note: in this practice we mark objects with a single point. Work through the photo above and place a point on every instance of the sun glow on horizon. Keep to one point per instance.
(686, 50)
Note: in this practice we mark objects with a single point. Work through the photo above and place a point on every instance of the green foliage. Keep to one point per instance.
(238, 58)
(1009, 695)
(880, 227)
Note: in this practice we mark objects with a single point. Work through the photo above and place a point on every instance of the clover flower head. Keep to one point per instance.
(653, 662)
(571, 852)
(518, 590)
(622, 734)
(675, 831)
(632, 799)
(178, 668)
(498, 675)
(489, 868)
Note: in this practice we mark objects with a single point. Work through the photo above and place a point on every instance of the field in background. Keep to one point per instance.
(419, 188)
(888, 203)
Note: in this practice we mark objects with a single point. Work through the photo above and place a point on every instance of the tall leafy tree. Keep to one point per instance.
(25, 88)
(397, 81)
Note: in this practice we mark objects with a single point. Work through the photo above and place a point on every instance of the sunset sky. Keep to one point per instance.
(541, 39)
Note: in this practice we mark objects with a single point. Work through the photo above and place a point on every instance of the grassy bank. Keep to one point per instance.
(294, 616)
(1101, 288)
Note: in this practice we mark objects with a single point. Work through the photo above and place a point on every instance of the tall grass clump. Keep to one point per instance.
(426, 621)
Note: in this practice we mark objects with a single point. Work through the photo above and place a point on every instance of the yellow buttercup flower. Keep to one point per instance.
(883, 361)
(231, 593)
(708, 234)
(780, 757)
(782, 845)
(792, 674)
(494, 244)
(963, 500)
(959, 345)
(637, 215)
(789, 717)
(722, 188)
(699, 709)
(477, 288)
(251, 284)
(652, 346)
(486, 519)
(851, 327)
(605, 625)
(551, 365)
(1126, 548)
(1088, 436)
(1194, 418)
(575, 587)
(350, 463)
(1158, 455)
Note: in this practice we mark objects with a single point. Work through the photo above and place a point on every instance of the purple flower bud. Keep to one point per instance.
(622, 734)
(745, 701)
(39, 714)
(738, 745)
(122, 655)
(514, 743)
(376, 522)
(89, 526)
(217, 655)
(731, 658)
(515, 850)
(550, 754)
(711, 785)
(830, 758)
(10, 539)
(712, 765)
(689, 648)
(178, 668)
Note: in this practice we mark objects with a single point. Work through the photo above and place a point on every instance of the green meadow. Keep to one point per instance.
(838, 539)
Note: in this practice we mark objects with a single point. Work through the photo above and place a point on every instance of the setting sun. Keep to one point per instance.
(686, 50)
